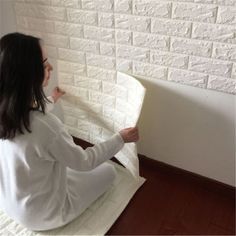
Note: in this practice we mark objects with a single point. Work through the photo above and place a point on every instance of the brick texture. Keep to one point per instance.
(191, 42)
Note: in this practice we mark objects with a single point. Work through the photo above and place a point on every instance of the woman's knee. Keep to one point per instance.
(111, 171)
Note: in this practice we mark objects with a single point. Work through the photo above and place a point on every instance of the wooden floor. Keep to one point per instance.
(175, 202)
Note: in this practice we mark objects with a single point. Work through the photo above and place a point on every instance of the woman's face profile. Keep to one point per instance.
(47, 68)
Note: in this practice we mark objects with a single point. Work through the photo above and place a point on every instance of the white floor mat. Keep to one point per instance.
(97, 219)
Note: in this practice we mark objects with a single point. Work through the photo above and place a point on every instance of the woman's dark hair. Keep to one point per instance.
(21, 79)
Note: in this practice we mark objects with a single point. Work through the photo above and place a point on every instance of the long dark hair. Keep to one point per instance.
(21, 79)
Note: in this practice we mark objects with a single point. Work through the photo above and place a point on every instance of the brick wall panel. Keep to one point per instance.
(151, 41)
(123, 37)
(226, 15)
(152, 8)
(218, 33)
(148, 70)
(191, 42)
(191, 47)
(100, 61)
(171, 27)
(220, 2)
(222, 84)
(100, 34)
(107, 49)
(124, 65)
(106, 19)
(82, 17)
(123, 6)
(212, 67)
(133, 23)
(195, 12)
(71, 55)
(99, 5)
(102, 74)
(169, 59)
(224, 51)
(133, 53)
(66, 3)
(84, 45)
(70, 29)
(188, 78)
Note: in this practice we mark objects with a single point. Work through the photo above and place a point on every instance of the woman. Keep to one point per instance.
(46, 180)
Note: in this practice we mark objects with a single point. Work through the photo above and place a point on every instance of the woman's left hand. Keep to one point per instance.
(57, 93)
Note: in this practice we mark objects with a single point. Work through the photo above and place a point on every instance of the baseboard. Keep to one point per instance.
(207, 183)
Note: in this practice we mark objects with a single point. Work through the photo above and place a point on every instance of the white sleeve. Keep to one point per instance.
(64, 150)
(50, 106)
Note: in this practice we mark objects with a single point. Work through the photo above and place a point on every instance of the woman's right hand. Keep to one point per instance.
(130, 134)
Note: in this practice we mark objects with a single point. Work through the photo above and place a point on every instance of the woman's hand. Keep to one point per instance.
(57, 93)
(130, 134)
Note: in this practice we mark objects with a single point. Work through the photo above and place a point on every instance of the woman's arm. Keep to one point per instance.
(64, 150)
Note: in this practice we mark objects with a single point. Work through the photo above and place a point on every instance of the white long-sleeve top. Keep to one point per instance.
(34, 189)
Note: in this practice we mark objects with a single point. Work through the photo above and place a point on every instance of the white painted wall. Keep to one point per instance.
(7, 17)
(1, 12)
(183, 126)
(8, 25)
(0, 18)
(190, 128)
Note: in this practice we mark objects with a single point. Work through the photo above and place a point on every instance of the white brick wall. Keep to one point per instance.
(192, 42)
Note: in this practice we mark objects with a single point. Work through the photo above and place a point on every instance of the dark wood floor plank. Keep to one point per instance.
(176, 202)
(224, 213)
(217, 230)
(169, 203)
(195, 214)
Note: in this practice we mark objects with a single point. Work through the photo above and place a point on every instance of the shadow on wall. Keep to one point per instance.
(187, 127)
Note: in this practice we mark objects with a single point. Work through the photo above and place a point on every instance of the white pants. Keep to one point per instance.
(86, 187)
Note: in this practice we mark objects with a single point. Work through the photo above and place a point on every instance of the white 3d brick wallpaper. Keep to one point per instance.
(191, 42)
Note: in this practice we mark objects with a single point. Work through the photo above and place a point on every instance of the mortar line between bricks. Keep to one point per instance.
(172, 9)
(217, 13)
